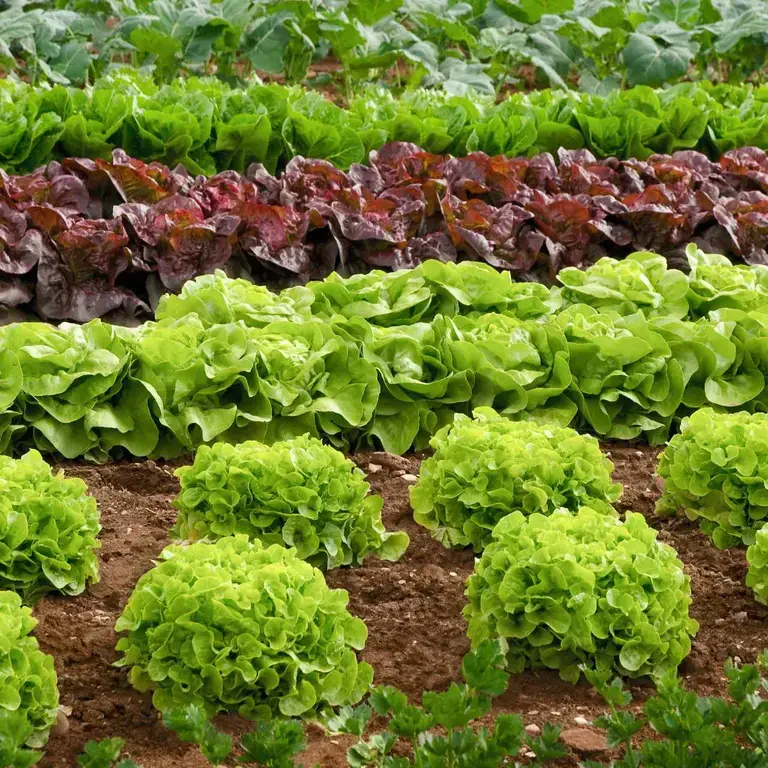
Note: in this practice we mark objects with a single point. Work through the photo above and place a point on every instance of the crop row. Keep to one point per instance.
(386, 359)
(529, 216)
(209, 126)
(561, 581)
(455, 45)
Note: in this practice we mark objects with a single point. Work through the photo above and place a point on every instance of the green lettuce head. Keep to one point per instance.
(488, 467)
(217, 299)
(626, 381)
(757, 558)
(48, 530)
(236, 626)
(417, 295)
(29, 697)
(314, 378)
(714, 471)
(567, 590)
(518, 365)
(202, 382)
(298, 493)
(77, 395)
(639, 283)
(715, 283)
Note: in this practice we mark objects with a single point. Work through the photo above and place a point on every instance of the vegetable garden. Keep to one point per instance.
(383, 384)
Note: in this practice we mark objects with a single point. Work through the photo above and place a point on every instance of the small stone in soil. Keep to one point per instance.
(580, 720)
(374, 468)
(532, 729)
(740, 616)
(409, 478)
(583, 740)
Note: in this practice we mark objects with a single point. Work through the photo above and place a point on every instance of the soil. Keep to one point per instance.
(417, 636)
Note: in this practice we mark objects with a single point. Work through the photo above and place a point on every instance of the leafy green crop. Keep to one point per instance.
(211, 126)
(715, 283)
(74, 393)
(567, 590)
(488, 467)
(757, 557)
(298, 493)
(49, 527)
(236, 626)
(639, 283)
(626, 381)
(431, 288)
(712, 471)
(29, 697)
(217, 299)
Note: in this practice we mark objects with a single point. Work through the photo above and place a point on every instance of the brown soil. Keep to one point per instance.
(412, 609)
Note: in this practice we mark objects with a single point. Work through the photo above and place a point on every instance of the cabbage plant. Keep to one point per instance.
(639, 283)
(48, 530)
(757, 559)
(487, 467)
(29, 696)
(299, 493)
(236, 626)
(714, 472)
(567, 590)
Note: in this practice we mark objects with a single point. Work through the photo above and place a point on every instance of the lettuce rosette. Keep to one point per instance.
(626, 381)
(714, 471)
(639, 283)
(518, 365)
(419, 388)
(487, 467)
(715, 283)
(297, 493)
(77, 396)
(434, 287)
(724, 357)
(218, 299)
(314, 379)
(237, 626)
(574, 590)
(202, 382)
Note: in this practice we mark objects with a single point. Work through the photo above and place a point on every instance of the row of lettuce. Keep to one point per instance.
(236, 617)
(209, 126)
(92, 238)
(624, 349)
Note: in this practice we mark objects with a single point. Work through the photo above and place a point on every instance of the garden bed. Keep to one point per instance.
(412, 608)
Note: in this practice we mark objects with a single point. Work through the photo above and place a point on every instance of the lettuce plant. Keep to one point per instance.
(626, 381)
(315, 379)
(715, 283)
(217, 299)
(298, 493)
(236, 626)
(431, 288)
(29, 696)
(48, 530)
(567, 590)
(723, 357)
(713, 471)
(488, 467)
(202, 381)
(518, 365)
(639, 283)
(76, 395)
(757, 558)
